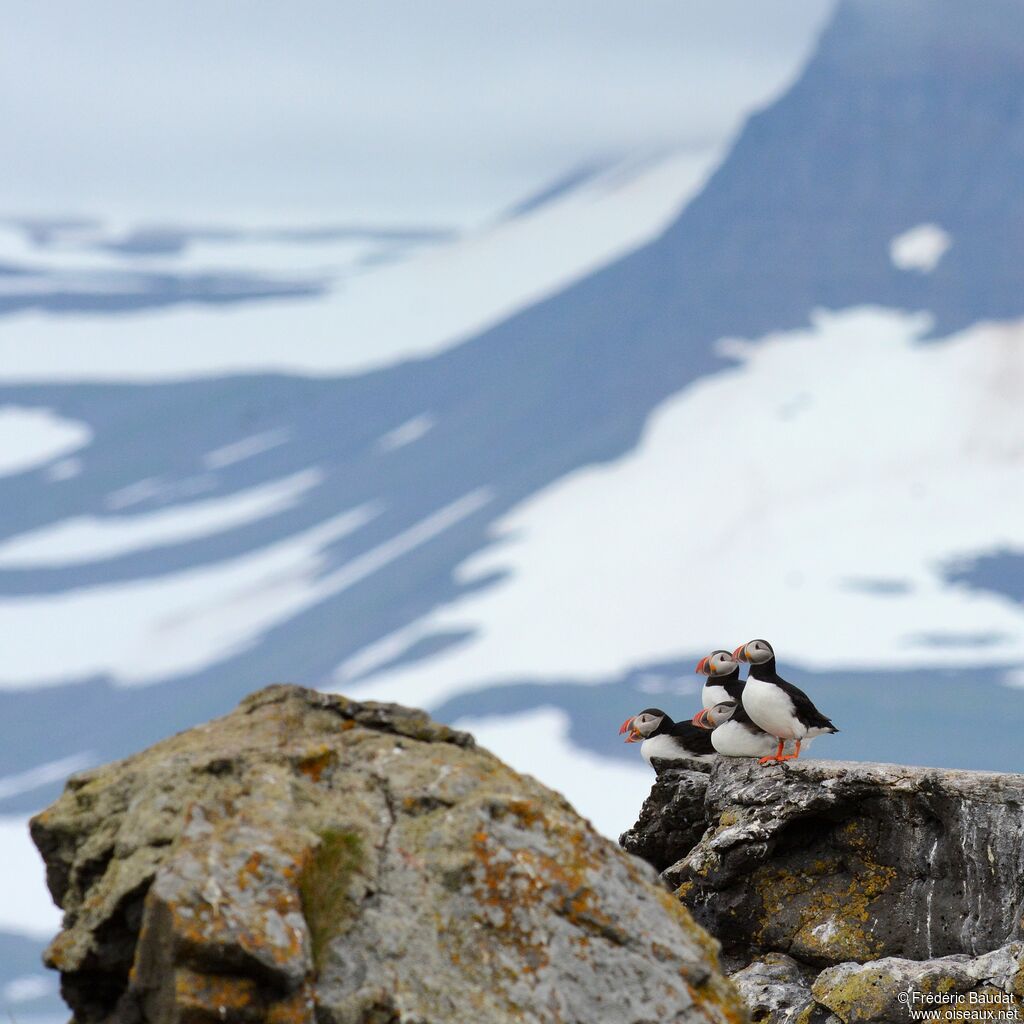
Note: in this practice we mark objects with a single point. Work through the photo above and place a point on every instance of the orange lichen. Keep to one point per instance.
(527, 813)
(510, 884)
(314, 765)
(217, 995)
(298, 1008)
(718, 1000)
(201, 998)
(250, 871)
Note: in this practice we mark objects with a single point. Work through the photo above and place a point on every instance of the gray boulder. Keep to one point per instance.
(310, 858)
(899, 991)
(778, 989)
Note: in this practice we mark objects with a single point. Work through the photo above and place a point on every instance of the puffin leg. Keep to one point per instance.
(794, 755)
(777, 756)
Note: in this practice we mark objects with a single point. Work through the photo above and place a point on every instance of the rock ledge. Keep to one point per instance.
(830, 882)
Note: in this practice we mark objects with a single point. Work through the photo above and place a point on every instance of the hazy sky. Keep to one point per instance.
(395, 109)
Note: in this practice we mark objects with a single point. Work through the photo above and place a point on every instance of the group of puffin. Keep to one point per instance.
(752, 717)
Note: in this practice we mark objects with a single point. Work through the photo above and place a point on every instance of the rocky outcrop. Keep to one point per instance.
(835, 886)
(884, 990)
(310, 858)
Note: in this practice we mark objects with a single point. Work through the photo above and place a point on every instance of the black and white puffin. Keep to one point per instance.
(778, 707)
(723, 681)
(667, 740)
(733, 734)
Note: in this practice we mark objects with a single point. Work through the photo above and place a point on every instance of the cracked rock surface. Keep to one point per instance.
(308, 858)
(834, 885)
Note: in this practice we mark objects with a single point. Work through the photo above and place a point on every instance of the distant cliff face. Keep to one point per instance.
(309, 858)
(836, 885)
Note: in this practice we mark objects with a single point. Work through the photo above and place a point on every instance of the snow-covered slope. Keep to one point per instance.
(31, 437)
(414, 308)
(527, 478)
(834, 501)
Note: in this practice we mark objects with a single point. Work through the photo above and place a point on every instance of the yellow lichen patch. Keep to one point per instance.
(868, 994)
(995, 1001)
(684, 890)
(827, 904)
(865, 994)
(805, 1015)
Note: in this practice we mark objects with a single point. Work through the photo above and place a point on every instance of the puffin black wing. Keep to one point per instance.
(803, 707)
(740, 715)
(696, 740)
(732, 684)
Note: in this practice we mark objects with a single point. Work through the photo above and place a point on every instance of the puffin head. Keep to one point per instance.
(713, 717)
(756, 652)
(717, 663)
(639, 727)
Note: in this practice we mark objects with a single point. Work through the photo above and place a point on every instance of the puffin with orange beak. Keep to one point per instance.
(780, 708)
(723, 681)
(665, 740)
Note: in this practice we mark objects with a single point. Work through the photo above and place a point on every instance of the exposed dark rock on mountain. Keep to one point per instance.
(835, 885)
(309, 858)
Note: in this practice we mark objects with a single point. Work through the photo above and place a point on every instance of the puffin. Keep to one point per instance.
(733, 734)
(778, 707)
(665, 739)
(723, 678)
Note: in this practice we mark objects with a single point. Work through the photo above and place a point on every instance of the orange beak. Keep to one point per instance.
(634, 736)
(701, 719)
(740, 654)
(702, 667)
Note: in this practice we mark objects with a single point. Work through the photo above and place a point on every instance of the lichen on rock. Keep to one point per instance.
(832, 884)
(307, 857)
(895, 989)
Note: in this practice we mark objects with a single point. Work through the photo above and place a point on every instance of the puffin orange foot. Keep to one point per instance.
(777, 756)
